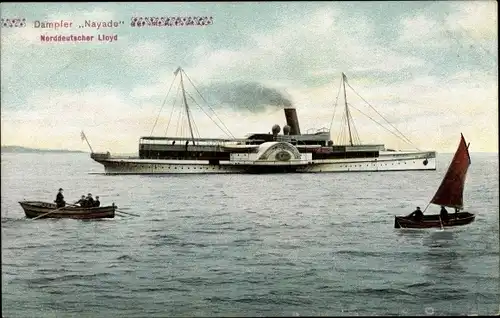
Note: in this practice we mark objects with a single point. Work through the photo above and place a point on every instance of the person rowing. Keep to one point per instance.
(82, 202)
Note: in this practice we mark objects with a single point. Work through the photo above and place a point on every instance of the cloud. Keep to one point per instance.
(467, 22)
(428, 112)
(422, 30)
(430, 98)
(299, 49)
(479, 19)
(146, 54)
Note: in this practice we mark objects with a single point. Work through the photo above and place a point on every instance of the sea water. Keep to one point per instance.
(245, 245)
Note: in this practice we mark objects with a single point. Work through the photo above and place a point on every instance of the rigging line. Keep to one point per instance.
(337, 136)
(379, 124)
(402, 135)
(356, 134)
(340, 137)
(207, 114)
(345, 131)
(354, 131)
(335, 106)
(173, 107)
(195, 127)
(230, 134)
(163, 104)
(194, 123)
(178, 120)
(341, 132)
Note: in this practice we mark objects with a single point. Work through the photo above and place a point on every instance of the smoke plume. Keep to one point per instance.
(252, 96)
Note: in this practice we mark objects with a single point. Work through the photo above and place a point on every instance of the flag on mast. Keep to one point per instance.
(82, 134)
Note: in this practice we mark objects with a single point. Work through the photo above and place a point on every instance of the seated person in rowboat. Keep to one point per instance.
(90, 201)
(60, 199)
(443, 214)
(82, 201)
(418, 215)
(97, 203)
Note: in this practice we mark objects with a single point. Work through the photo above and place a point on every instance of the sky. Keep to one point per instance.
(429, 68)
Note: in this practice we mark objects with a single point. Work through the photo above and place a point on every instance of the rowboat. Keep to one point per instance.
(34, 209)
(449, 194)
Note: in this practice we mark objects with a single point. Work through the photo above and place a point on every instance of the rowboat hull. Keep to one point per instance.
(33, 209)
(433, 221)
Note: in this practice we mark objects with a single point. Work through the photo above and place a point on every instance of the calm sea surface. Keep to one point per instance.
(245, 245)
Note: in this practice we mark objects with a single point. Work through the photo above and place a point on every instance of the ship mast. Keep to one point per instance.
(346, 109)
(186, 104)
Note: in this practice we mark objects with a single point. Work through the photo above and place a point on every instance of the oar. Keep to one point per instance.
(35, 218)
(124, 215)
(127, 213)
(441, 223)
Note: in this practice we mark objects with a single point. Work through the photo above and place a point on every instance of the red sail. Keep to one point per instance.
(451, 190)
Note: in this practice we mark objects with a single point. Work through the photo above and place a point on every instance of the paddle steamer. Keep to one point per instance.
(290, 151)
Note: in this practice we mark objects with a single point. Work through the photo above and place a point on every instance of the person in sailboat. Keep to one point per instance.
(443, 214)
(418, 215)
(97, 203)
(60, 199)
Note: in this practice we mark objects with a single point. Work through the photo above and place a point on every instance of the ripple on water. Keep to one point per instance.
(222, 246)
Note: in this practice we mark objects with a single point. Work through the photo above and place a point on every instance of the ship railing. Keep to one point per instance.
(100, 155)
(107, 155)
(312, 131)
(190, 141)
(124, 157)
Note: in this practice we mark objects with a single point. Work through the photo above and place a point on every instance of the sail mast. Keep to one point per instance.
(347, 110)
(186, 105)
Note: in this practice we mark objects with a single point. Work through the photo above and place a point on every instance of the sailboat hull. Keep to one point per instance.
(434, 221)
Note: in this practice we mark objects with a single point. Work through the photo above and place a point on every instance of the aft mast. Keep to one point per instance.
(348, 116)
(186, 104)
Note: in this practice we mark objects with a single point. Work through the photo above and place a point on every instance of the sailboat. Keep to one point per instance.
(449, 194)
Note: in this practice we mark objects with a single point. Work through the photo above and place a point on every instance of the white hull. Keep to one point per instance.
(388, 161)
